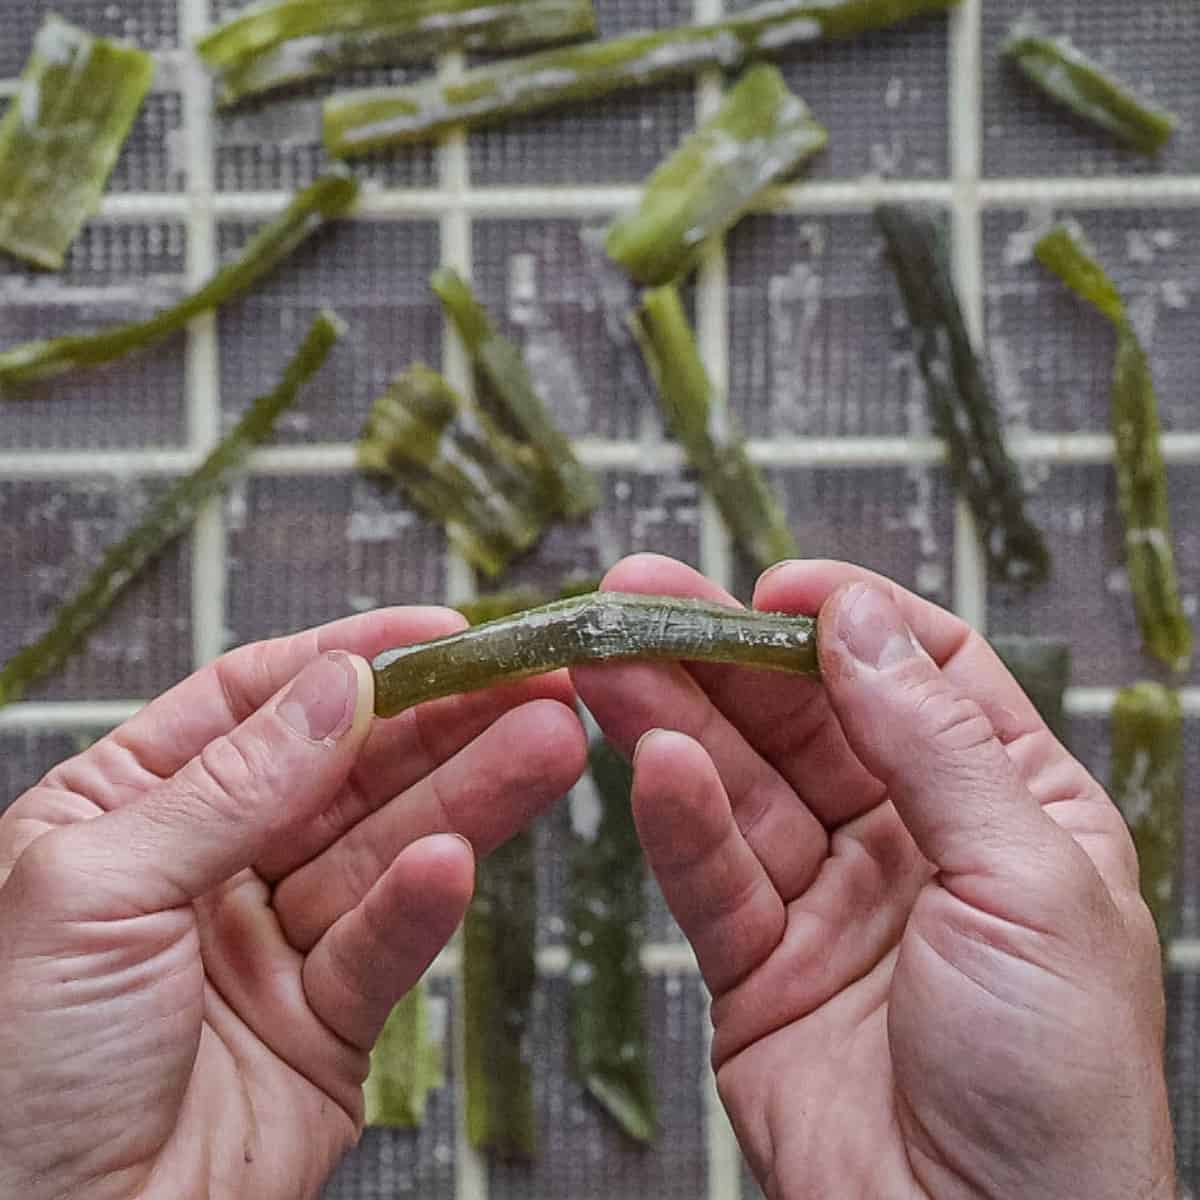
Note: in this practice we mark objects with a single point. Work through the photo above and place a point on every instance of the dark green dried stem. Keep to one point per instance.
(167, 520)
(330, 197)
(740, 490)
(961, 403)
(451, 460)
(1065, 74)
(285, 42)
(1147, 786)
(1042, 666)
(62, 135)
(510, 391)
(362, 121)
(1141, 470)
(406, 1065)
(607, 913)
(761, 133)
(599, 628)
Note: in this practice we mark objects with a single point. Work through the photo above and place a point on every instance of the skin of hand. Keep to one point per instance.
(932, 972)
(206, 918)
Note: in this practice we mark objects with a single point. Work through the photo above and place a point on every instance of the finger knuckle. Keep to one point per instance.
(231, 771)
(952, 723)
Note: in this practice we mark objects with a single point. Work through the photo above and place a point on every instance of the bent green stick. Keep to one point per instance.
(62, 135)
(167, 520)
(406, 1065)
(961, 403)
(738, 487)
(285, 42)
(361, 121)
(452, 462)
(599, 628)
(511, 391)
(1147, 786)
(330, 197)
(761, 133)
(607, 911)
(1065, 74)
(1042, 666)
(1141, 468)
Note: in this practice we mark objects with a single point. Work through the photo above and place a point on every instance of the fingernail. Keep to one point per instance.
(779, 566)
(642, 741)
(873, 630)
(321, 702)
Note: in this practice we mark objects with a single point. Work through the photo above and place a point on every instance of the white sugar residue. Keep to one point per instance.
(586, 810)
(370, 527)
(1138, 800)
(796, 355)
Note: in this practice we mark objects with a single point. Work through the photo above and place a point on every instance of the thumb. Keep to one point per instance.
(947, 773)
(217, 815)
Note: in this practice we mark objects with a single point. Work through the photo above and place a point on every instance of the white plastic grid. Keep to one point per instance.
(456, 204)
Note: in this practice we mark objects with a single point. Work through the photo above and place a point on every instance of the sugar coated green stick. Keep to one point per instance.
(406, 1065)
(361, 121)
(964, 411)
(598, 628)
(1087, 89)
(62, 135)
(760, 134)
(738, 487)
(1147, 786)
(167, 520)
(330, 197)
(285, 42)
(1141, 468)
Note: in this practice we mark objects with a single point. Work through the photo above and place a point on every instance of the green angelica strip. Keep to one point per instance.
(169, 518)
(406, 1065)
(598, 628)
(361, 121)
(1147, 786)
(511, 391)
(607, 911)
(963, 409)
(330, 197)
(1042, 666)
(499, 974)
(62, 135)
(1087, 89)
(738, 487)
(285, 42)
(452, 462)
(761, 133)
(1141, 469)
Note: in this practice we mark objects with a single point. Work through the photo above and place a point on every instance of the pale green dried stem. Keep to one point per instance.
(406, 1065)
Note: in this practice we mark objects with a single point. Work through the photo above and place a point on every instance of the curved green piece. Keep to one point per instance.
(961, 403)
(607, 913)
(1141, 469)
(760, 134)
(167, 520)
(743, 496)
(599, 628)
(1067, 75)
(449, 458)
(1147, 786)
(330, 197)
(284, 42)
(62, 135)
(406, 1065)
(1042, 666)
(362, 121)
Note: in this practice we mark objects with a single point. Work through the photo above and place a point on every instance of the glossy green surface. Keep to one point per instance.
(406, 1065)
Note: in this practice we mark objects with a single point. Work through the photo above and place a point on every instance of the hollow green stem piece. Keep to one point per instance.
(598, 628)
(406, 1065)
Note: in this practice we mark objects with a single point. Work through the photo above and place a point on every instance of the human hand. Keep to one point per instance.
(206, 918)
(932, 972)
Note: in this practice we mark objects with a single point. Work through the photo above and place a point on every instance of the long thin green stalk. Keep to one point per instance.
(1042, 666)
(510, 390)
(1141, 469)
(740, 490)
(607, 912)
(167, 520)
(1067, 75)
(62, 135)
(406, 1065)
(451, 460)
(961, 403)
(362, 121)
(599, 628)
(284, 42)
(330, 197)
(1147, 786)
